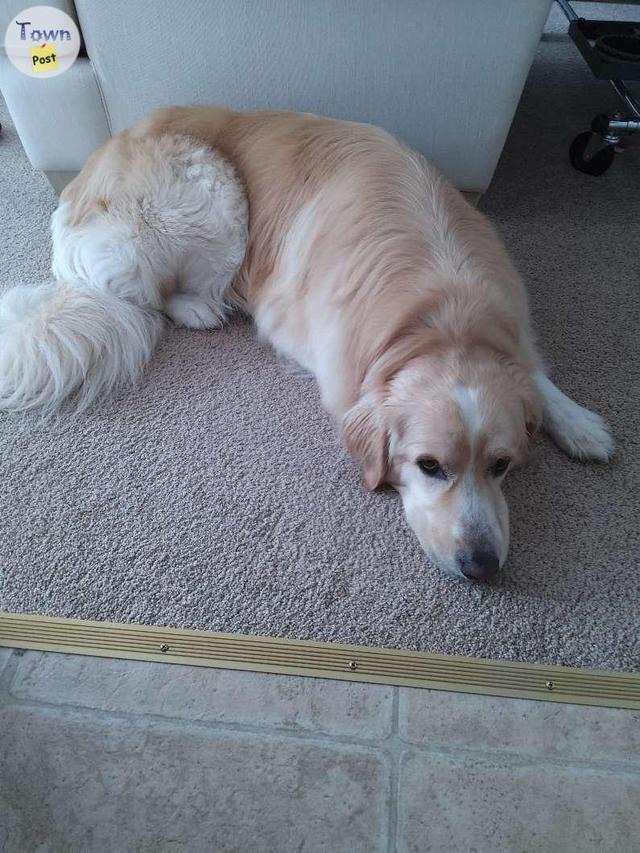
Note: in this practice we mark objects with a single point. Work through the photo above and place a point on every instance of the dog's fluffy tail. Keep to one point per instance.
(67, 340)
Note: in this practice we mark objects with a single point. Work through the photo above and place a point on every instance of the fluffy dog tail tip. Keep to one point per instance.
(67, 341)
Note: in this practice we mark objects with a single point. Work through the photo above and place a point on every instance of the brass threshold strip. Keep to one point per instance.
(323, 660)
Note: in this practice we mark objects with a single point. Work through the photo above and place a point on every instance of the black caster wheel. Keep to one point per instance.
(596, 165)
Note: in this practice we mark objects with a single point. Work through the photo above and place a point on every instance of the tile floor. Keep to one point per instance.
(107, 755)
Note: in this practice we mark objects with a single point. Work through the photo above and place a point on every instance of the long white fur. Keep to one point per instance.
(578, 431)
(354, 240)
(468, 402)
(172, 239)
(179, 219)
(65, 337)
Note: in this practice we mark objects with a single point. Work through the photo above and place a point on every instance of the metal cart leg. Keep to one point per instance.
(593, 151)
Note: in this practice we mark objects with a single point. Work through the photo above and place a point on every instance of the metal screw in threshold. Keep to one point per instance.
(353, 664)
(549, 685)
(164, 647)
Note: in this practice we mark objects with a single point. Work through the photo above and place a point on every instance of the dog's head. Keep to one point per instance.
(444, 431)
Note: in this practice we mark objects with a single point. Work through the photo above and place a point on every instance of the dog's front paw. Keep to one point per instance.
(579, 432)
(583, 434)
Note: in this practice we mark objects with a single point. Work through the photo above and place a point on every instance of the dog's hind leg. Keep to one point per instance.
(199, 301)
(138, 215)
(580, 433)
(214, 252)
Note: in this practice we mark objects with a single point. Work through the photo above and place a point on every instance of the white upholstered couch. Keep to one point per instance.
(445, 75)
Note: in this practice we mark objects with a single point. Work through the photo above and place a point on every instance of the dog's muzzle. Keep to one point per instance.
(479, 564)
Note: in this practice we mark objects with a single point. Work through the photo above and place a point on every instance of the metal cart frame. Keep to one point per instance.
(593, 151)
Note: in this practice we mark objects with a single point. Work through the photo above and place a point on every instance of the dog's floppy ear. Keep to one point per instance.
(524, 386)
(532, 417)
(532, 406)
(366, 438)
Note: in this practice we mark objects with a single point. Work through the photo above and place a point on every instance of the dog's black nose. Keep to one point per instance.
(479, 565)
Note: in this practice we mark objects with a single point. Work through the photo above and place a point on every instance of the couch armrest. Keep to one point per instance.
(60, 120)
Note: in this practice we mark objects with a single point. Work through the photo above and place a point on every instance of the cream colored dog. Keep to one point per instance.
(358, 260)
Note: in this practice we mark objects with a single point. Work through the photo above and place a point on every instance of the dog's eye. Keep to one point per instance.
(500, 466)
(431, 467)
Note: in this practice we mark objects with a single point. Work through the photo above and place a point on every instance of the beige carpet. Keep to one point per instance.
(216, 495)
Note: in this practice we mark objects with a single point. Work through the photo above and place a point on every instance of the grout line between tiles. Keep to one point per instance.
(394, 783)
(390, 746)
(524, 759)
(7, 673)
(374, 744)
